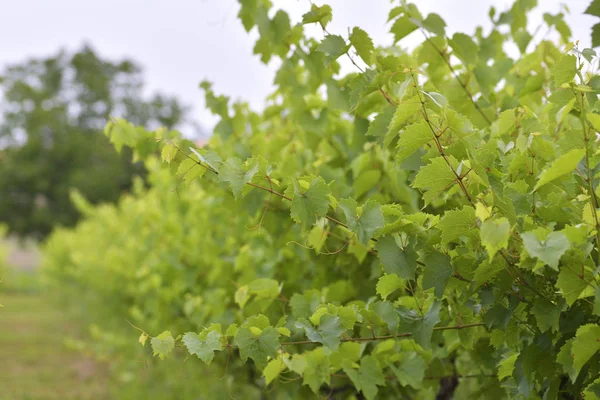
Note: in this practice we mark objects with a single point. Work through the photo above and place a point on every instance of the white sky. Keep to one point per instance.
(181, 42)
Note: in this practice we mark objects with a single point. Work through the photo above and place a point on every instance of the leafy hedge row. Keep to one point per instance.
(424, 227)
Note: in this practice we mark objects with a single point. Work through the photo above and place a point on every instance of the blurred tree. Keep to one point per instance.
(52, 112)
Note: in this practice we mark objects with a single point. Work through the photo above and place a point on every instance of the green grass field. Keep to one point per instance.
(35, 363)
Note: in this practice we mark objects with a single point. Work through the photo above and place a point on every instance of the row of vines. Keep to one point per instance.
(425, 226)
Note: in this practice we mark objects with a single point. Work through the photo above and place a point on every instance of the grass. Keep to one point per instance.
(36, 364)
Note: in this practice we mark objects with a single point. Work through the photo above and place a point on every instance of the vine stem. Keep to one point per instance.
(455, 74)
(400, 335)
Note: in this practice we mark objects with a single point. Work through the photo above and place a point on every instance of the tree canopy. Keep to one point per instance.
(52, 113)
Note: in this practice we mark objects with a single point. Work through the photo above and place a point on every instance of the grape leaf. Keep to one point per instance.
(363, 222)
(585, 345)
(402, 27)
(550, 250)
(236, 174)
(457, 223)
(328, 332)
(464, 48)
(414, 136)
(203, 347)
(333, 46)
(257, 347)
(396, 260)
(571, 284)
(564, 69)
(316, 370)
(368, 376)
(379, 126)
(321, 14)
(163, 344)
(362, 43)
(421, 327)
(410, 371)
(563, 165)
(436, 176)
(437, 270)
(388, 284)
(273, 369)
(494, 235)
(308, 205)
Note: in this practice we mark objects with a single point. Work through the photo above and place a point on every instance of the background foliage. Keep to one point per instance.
(53, 111)
(423, 227)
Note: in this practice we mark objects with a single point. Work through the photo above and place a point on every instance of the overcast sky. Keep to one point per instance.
(181, 42)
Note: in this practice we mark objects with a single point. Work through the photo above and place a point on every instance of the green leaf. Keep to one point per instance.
(210, 158)
(546, 314)
(507, 366)
(367, 377)
(321, 15)
(395, 259)
(421, 327)
(457, 223)
(317, 369)
(273, 369)
(257, 347)
(596, 35)
(437, 177)
(563, 165)
(310, 204)
(163, 344)
(379, 126)
(494, 235)
(571, 283)
(203, 347)
(585, 345)
(362, 43)
(365, 221)
(236, 174)
(333, 46)
(403, 113)
(168, 152)
(402, 27)
(564, 70)
(388, 284)
(412, 138)
(566, 359)
(410, 371)
(464, 48)
(597, 301)
(549, 250)
(434, 24)
(328, 332)
(305, 304)
(436, 272)
(593, 8)
(189, 170)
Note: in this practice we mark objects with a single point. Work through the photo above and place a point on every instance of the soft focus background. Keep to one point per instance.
(66, 66)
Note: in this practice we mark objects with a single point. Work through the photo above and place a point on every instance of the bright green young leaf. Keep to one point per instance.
(395, 259)
(457, 223)
(333, 46)
(464, 48)
(321, 14)
(388, 284)
(434, 24)
(168, 152)
(237, 174)
(507, 366)
(563, 165)
(436, 177)
(365, 221)
(494, 235)
(402, 27)
(362, 43)
(571, 283)
(310, 204)
(189, 170)
(205, 347)
(549, 250)
(257, 347)
(317, 369)
(564, 70)
(273, 369)
(585, 345)
(412, 138)
(163, 344)
(406, 110)
(379, 126)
